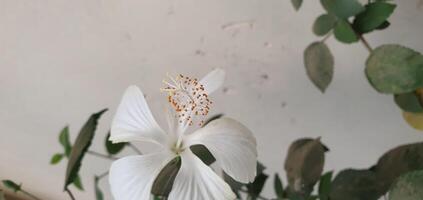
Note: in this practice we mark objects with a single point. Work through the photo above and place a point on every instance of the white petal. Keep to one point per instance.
(233, 146)
(134, 121)
(213, 80)
(195, 180)
(132, 177)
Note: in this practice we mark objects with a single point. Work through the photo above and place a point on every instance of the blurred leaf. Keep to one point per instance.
(203, 153)
(236, 186)
(304, 165)
(384, 25)
(255, 188)
(344, 32)
(65, 141)
(98, 192)
(398, 161)
(164, 181)
(56, 158)
(342, 8)
(373, 17)
(77, 183)
(408, 187)
(318, 61)
(11, 185)
(352, 184)
(408, 102)
(325, 186)
(415, 120)
(113, 148)
(278, 186)
(80, 147)
(297, 4)
(214, 117)
(395, 69)
(323, 24)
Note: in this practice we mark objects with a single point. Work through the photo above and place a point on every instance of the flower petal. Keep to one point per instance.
(195, 180)
(213, 80)
(134, 121)
(233, 146)
(132, 177)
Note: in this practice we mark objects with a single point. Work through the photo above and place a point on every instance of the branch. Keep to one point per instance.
(327, 36)
(110, 157)
(29, 194)
(70, 193)
(365, 43)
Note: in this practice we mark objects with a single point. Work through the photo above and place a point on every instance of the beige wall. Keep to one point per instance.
(62, 60)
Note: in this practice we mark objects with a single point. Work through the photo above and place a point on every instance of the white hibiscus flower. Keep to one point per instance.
(231, 143)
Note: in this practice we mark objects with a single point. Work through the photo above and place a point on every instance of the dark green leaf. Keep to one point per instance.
(164, 181)
(373, 17)
(11, 185)
(318, 61)
(235, 185)
(56, 158)
(344, 32)
(342, 8)
(304, 165)
(384, 25)
(352, 184)
(112, 148)
(98, 192)
(398, 161)
(297, 4)
(78, 184)
(395, 69)
(323, 24)
(408, 187)
(65, 141)
(409, 102)
(80, 147)
(278, 186)
(325, 185)
(255, 188)
(203, 153)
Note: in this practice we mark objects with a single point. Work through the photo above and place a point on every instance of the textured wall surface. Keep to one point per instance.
(63, 60)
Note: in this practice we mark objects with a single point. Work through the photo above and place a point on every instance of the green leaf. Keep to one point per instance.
(344, 32)
(323, 24)
(65, 141)
(98, 192)
(408, 187)
(325, 186)
(318, 61)
(80, 147)
(415, 120)
(278, 186)
(78, 183)
(395, 69)
(255, 188)
(113, 148)
(342, 8)
(384, 25)
(164, 181)
(352, 184)
(56, 158)
(304, 165)
(11, 185)
(373, 17)
(297, 4)
(236, 186)
(398, 161)
(203, 153)
(409, 102)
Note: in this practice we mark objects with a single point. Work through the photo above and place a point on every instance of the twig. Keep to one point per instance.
(30, 195)
(327, 36)
(70, 193)
(365, 43)
(102, 155)
(102, 175)
(258, 196)
(133, 147)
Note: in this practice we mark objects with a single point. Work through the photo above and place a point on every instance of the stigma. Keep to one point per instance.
(188, 97)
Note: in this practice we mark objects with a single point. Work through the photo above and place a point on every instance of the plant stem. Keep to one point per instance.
(30, 195)
(327, 36)
(365, 43)
(102, 155)
(70, 193)
(133, 147)
(257, 197)
(102, 175)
